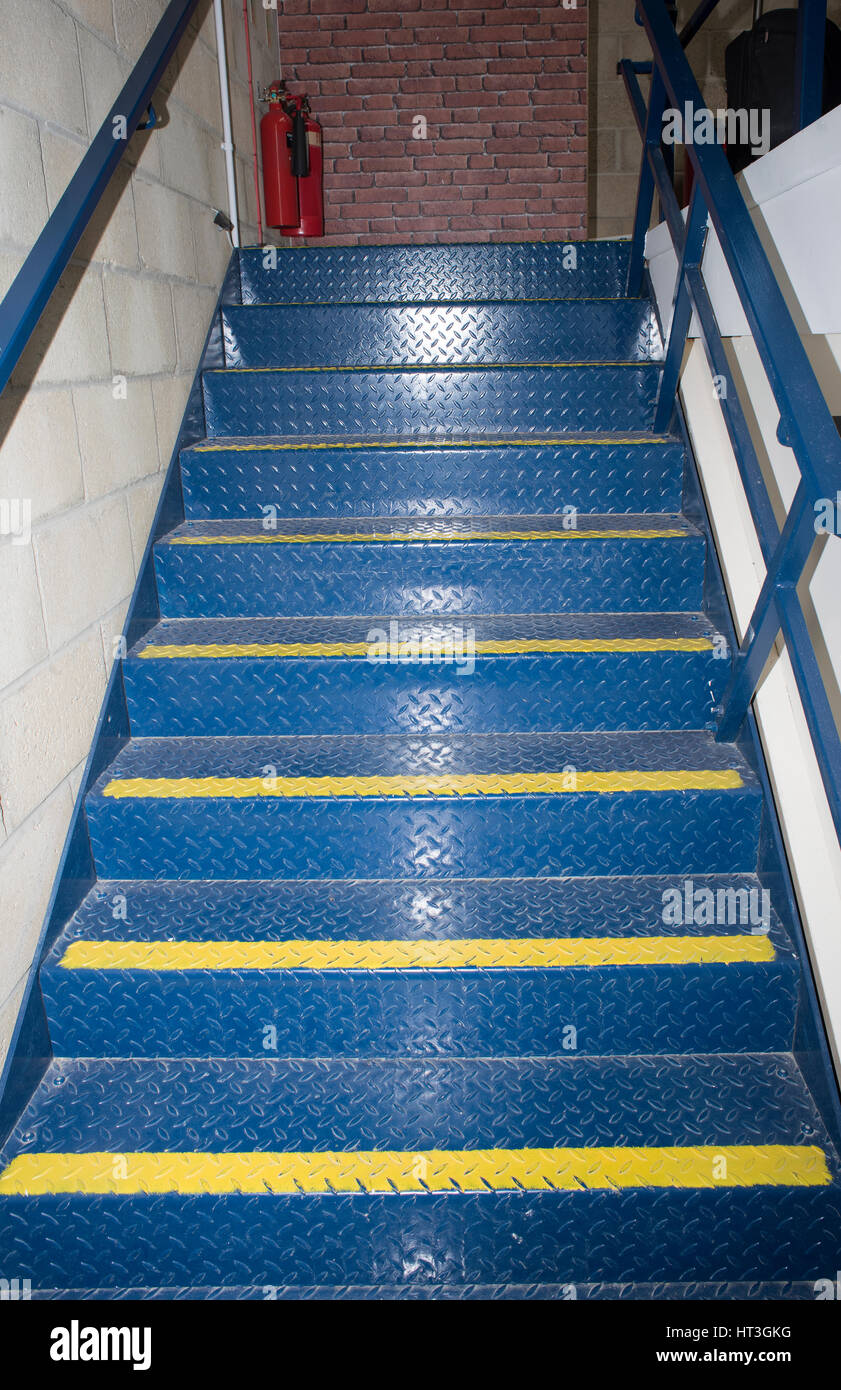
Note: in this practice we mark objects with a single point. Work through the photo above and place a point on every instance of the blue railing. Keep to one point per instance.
(806, 424)
(30, 292)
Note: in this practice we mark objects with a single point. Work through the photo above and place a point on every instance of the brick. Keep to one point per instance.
(520, 145)
(444, 161)
(458, 51)
(480, 177)
(408, 178)
(468, 147)
(380, 195)
(503, 206)
(351, 180)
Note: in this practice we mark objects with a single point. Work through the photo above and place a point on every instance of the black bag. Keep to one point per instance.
(759, 69)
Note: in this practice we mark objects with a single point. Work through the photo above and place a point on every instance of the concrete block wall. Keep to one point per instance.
(615, 143)
(89, 422)
(501, 87)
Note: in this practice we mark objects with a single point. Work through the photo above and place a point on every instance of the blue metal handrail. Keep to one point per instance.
(806, 424)
(30, 291)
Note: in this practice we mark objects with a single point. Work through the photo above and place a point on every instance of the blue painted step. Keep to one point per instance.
(666, 1005)
(355, 476)
(436, 566)
(254, 676)
(762, 1230)
(525, 270)
(598, 330)
(443, 401)
(266, 827)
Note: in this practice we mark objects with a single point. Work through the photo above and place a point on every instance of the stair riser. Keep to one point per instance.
(501, 401)
(656, 690)
(652, 1009)
(586, 1236)
(510, 481)
(576, 833)
(436, 273)
(612, 576)
(377, 335)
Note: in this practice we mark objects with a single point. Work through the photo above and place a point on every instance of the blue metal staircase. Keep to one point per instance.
(431, 951)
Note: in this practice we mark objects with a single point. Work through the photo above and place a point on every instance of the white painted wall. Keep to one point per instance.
(794, 194)
(136, 302)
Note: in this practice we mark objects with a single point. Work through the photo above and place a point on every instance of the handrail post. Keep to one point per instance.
(784, 571)
(808, 67)
(645, 189)
(693, 251)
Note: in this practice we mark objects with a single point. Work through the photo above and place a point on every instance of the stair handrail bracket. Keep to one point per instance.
(806, 424)
(31, 289)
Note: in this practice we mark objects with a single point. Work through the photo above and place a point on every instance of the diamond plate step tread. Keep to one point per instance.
(402, 909)
(440, 806)
(776, 1233)
(522, 400)
(436, 273)
(434, 335)
(758, 1291)
(406, 1104)
(381, 565)
(664, 1007)
(227, 477)
(365, 676)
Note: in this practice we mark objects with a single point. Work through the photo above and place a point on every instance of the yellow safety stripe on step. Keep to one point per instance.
(394, 368)
(436, 1170)
(474, 954)
(437, 442)
(514, 647)
(431, 784)
(433, 537)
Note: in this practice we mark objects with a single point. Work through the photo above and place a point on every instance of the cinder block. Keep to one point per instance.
(23, 205)
(85, 567)
(193, 307)
(41, 62)
(111, 236)
(46, 724)
(170, 397)
(103, 75)
(9, 1013)
(111, 629)
(135, 24)
(142, 501)
(97, 14)
(213, 246)
(71, 341)
(164, 229)
(24, 640)
(39, 457)
(140, 324)
(197, 85)
(192, 159)
(116, 436)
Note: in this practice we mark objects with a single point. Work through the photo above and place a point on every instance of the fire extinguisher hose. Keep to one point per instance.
(300, 146)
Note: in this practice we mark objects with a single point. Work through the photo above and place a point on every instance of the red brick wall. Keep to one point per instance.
(503, 88)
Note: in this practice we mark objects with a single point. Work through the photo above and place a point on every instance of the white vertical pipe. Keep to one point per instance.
(228, 139)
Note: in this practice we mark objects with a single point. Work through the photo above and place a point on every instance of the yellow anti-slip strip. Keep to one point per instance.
(433, 537)
(515, 647)
(438, 442)
(457, 784)
(436, 1170)
(478, 954)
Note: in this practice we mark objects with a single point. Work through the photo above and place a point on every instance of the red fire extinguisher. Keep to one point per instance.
(292, 165)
